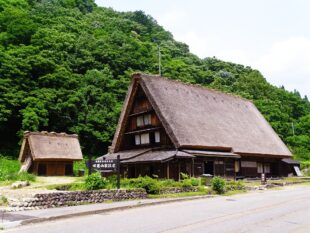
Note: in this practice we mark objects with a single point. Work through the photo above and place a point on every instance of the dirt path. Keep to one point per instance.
(35, 187)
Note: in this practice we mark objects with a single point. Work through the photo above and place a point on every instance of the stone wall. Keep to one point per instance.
(57, 199)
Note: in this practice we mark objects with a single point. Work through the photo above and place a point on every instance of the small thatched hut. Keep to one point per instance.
(49, 154)
(167, 127)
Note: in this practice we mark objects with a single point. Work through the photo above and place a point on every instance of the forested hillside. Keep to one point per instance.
(65, 66)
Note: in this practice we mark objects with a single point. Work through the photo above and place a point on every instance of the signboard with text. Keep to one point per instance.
(105, 166)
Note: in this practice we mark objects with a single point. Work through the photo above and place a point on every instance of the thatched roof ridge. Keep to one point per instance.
(139, 75)
(50, 146)
(52, 134)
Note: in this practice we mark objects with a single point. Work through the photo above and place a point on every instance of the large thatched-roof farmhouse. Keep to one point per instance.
(168, 127)
(50, 154)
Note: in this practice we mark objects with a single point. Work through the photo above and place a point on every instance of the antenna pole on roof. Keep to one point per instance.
(158, 54)
(293, 129)
(159, 60)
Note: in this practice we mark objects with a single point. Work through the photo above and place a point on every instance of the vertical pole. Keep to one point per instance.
(89, 165)
(179, 169)
(159, 60)
(293, 129)
(193, 172)
(118, 172)
(168, 175)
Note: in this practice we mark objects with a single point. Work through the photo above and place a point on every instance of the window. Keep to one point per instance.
(263, 168)
(137, 139)
(267, 167)
(142, 139)
(157, 137)
(145, 138)
(237, 166)
(144, 120)
(147, 119)
(259, 168)
(248, 164)
(140, 121)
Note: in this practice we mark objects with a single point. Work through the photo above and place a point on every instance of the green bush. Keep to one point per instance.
(218, 184)
(184, 176)
(195, 181)
(95, 181)
(186, 183)
(80, 165)
(150, 185)
(169, 183)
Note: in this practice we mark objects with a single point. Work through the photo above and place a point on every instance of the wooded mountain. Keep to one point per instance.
(65, 66)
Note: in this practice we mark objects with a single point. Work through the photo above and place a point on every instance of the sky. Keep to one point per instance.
(272, 36)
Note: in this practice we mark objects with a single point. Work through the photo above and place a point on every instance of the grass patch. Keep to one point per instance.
(174, 195)
(9, 171)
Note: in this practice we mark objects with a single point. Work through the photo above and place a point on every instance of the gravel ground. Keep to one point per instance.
(35, 187)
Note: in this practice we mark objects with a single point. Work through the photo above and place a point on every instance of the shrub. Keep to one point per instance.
(235, 185)
(150, 185)
(95, 181)
(184, 176)
(218, 184)
(170, 183)
(195, 181)
(186, 183)
(79, 165)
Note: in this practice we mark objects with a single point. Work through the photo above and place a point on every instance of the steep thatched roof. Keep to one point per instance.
(196, 117)
(50, 146)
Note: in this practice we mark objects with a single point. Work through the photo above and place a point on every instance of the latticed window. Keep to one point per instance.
(144, 120)
(145, 138)
(157, 137)
(142, 139)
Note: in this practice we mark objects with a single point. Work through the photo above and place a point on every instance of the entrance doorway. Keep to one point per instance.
(42, 169)
(209, 167)
(68, 169)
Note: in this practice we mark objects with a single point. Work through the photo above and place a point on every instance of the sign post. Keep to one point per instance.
(106, 165)
(118, 172)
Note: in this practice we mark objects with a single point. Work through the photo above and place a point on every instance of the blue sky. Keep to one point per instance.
(272, 36)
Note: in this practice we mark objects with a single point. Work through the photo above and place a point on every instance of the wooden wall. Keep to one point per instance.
(53, 168)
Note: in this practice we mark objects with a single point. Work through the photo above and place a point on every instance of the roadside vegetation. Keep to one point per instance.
(9, 171)
(156, 187)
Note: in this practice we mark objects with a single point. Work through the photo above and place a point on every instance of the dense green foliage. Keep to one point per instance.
(95, 181)
(9, 169)
(65, 66)
(218, 184)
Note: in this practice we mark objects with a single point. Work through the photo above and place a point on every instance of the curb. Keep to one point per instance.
(108, 210)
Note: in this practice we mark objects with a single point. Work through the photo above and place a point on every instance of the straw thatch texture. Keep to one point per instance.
(50, 146)
(200, 118)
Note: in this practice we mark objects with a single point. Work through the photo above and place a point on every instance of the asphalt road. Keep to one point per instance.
(285, 210)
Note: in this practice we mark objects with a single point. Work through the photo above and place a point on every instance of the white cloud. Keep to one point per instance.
(288, 63)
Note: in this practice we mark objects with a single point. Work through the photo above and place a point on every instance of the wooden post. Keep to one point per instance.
(168, 175)
(118, 172)
(179, 169)
(89, 165)
(193, 172)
